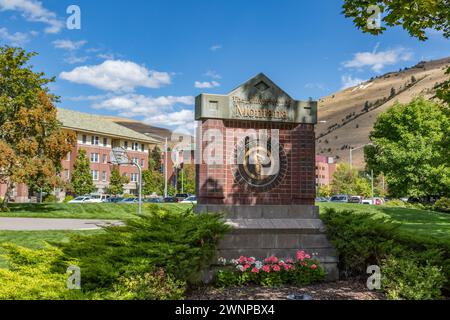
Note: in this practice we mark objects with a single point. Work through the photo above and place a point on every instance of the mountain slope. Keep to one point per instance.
(346, 118)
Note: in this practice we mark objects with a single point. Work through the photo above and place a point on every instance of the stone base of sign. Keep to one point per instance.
(280, 230)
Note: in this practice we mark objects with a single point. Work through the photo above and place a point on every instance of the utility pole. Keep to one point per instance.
(165, 168)
(372, 187)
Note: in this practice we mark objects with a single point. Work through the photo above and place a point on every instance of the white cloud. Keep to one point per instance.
(378, 60)
(33, 11)
(173, 119)
(348, 81)
(68, 44)
(212, 74)
(14, 39)
(206, 84)
(157, 111)
(117, 75)
(216, 47)
(134, 105)
(106, 56)
(72, 59)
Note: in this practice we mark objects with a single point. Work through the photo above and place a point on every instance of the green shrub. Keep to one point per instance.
(150, 286)
(120, 263)
(183, 244)
(68, 198)
(50, 198)
(406, 278)
(396, 203)
(35, 275)
(362, 239)
(442, 205)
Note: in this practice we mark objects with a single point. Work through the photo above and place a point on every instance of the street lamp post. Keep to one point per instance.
(140, 187)
(354, 149)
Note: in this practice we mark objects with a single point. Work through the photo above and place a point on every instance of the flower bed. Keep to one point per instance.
(271, 272)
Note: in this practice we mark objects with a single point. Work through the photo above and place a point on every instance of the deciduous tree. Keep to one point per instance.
(412, 148)
(32, 142)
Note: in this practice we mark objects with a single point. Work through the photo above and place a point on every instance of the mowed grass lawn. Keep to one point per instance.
(37, 239)
(105, 211)
(420, 224)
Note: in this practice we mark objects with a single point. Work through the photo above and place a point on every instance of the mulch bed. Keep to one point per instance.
(340, 290)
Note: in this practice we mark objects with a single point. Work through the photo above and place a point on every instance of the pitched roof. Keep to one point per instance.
(97, 124)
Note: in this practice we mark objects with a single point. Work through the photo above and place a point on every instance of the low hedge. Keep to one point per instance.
(154, 257)
(411, 268)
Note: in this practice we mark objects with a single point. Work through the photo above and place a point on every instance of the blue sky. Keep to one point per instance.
(147, 59)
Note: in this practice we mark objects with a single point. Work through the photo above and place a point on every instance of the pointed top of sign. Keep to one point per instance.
(260, 86)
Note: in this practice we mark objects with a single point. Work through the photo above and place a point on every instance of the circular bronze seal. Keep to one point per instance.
(259, 167)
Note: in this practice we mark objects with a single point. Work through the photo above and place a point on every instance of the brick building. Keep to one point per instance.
(98, 137)
(325, 169)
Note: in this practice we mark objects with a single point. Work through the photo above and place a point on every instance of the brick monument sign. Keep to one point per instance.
(258, 168)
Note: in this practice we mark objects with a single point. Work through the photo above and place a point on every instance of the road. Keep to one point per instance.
(41, 224)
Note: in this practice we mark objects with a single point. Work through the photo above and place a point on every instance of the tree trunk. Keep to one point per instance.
(7, 195)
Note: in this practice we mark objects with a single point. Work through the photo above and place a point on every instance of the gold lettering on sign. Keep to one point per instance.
(261, 109)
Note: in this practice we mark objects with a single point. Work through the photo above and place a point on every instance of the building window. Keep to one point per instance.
(104, 176)
(94, 174)
(135, 160)
(84, 139)
(134, 177)
(142, 147)
(104, 159)
(105, 142)
(135, 146)
(125, 145)
(95, 140)
(95, 157)
(142, 163)
(68, 156)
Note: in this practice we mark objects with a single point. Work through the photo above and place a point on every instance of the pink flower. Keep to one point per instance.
(247, 266)
(271, 259)
(300, 255)
(255, 270)
(242, 260)
(289, 261)
(314, 267)
(266, 268)
(251, 260)
(286, 267)
(276, 268)
(307, 256)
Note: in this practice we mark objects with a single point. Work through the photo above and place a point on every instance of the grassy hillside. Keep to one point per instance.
(347, 117)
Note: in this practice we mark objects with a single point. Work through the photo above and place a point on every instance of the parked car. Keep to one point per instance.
(153, 200)
(342, 198)
(171, 200)
(182, 196)
(321, 199)
(82, 199)
(129, 200)
(355, 199)
(98, 198)
(376, 201)
(191, 200)
(114, 199)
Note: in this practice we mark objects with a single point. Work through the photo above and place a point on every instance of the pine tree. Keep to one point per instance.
(156, 157)
(116, 182)
(81, 178)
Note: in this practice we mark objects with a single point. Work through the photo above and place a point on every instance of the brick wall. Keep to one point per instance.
(216, 184)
